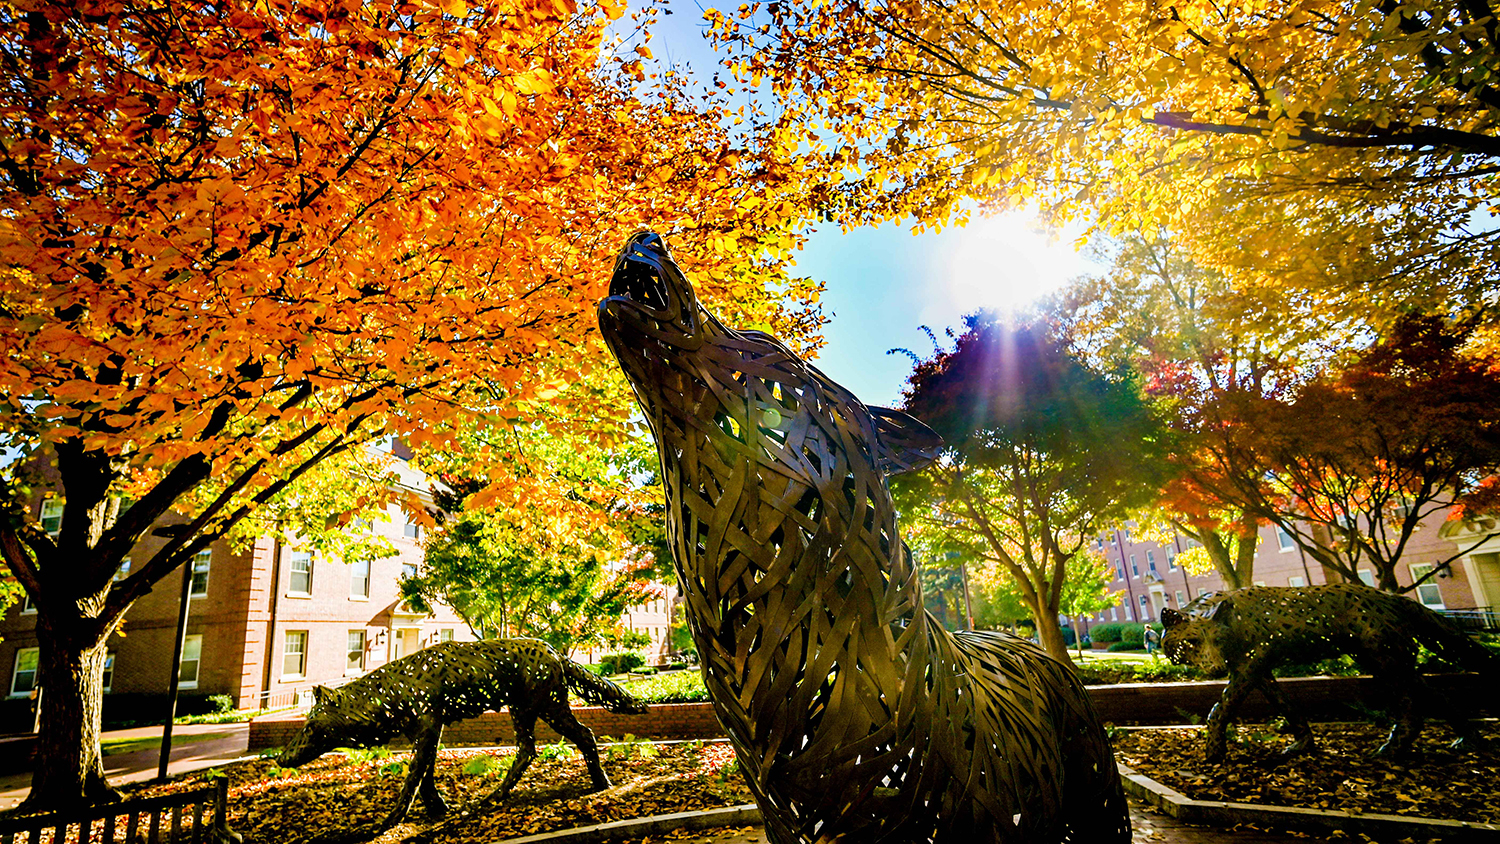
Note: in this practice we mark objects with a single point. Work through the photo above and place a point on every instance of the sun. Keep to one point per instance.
(1006, 263)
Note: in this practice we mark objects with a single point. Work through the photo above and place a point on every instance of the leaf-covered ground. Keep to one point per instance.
(1343, 774)
(326, 799)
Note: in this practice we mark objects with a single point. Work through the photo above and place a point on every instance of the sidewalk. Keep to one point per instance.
(194, 746)
(1149, 828)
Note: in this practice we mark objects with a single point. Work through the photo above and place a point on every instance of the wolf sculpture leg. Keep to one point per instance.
(560, 717)
(525, 724)
(420, 775)
(1223, 713)
(1302, 734)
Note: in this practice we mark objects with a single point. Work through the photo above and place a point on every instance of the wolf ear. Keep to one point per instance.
(904, 444)
(1222, 611)
(321, 694)
(1171, 618)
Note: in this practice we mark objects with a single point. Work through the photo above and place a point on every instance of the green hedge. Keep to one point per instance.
(620, 663)
(1106, 632)
(1124, 646)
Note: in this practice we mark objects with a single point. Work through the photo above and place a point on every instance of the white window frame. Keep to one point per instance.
(1150, 560)
(292, 572)
(1296, 581)
(355, 592)
(15, 671)
(1367, 577)
(27, 606)
(1284, 540)
(1181, 599)
(358, 666)
(201, 563)
(301, 637)
(1171, 561)
(445, 635)
(1135, 569)
(411, 530)
(1419, 571)
(52, 508)
(193, 645)
(109, 672)
(408, 570)
(1114, 614)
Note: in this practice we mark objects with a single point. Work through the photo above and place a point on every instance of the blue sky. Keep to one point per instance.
(884, 283)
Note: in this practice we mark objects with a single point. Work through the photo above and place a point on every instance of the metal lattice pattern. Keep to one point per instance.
(856, 717)
(1247, 633)
(417, 695)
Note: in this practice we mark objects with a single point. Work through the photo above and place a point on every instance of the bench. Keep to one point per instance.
(180, 816)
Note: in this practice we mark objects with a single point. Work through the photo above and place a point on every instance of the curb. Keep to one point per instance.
(744, 815)
(1176, 805)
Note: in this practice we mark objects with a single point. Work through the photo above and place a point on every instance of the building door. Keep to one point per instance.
(404, 641)
(1485, 571)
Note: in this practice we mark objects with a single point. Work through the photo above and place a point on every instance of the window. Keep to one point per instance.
(26, 605)
(412, 530)
(23, 676)
(1114, 614)
(294, 655)
(408, 571)
(109, 672)
(1099, 542)
(359, 579)
(445, 635)
(1367, 577)
(1202, 590)
(1259, 583)
(1134, 569)
(1171, 562)
(1284, 539)
(1295, 581)
(123, 571)
(1428, 593)
(356, 661)
(300, 581)
(1119, 572)
(1181, 598)
(364, 525)
(1145, 606)
(192, 653)
(52, 513)
(1151, 561)
(200, 573)
(1128, 616)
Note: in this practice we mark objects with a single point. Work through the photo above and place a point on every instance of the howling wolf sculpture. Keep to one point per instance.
(417, 695)
(855, 716)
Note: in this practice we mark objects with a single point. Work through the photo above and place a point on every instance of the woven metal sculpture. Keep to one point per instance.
(417, 695)
(1247, 633)
(855, 716)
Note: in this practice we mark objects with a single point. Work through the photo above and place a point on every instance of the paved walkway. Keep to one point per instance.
(194, 746)
(1149, 827)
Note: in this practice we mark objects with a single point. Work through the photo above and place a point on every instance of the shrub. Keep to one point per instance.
(674, 687)
(620, 663)
(221, 703)
(647, 670)
(1133, 634)
(1124, 646)
(1106, 632)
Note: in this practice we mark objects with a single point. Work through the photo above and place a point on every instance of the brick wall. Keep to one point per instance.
(1317, 698)
(664, 721)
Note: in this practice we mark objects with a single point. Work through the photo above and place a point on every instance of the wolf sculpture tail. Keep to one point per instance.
(599, 691)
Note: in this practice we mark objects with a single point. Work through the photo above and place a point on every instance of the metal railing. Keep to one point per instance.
(199, 816)
(1474, 618)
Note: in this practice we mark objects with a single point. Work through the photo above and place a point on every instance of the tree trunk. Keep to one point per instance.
(1050, 634)
(69, 768)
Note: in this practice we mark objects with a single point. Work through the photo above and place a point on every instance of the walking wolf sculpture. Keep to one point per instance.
(1248, 632)
(417, 695)
(855, 716)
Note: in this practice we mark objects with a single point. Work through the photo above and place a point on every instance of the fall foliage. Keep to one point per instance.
(1347, 148)
(239, 239)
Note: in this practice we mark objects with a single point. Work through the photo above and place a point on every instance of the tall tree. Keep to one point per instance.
(1360, 458)
(1314, 143)
(240, 238)
(1040, 454)
(1195, 336)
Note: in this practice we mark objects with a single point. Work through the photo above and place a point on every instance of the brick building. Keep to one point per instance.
(1149, 579)
(264, 625)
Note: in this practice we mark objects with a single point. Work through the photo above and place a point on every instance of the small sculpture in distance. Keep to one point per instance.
(855, 716)
(417, 695)
(1246, 633)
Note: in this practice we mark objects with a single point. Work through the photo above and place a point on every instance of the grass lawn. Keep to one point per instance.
(114, 747)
